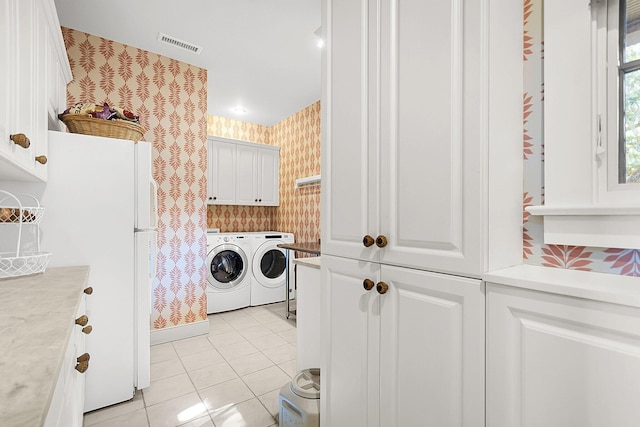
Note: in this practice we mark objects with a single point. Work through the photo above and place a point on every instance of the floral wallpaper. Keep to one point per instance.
(298, 137)
(171, 98)
(604, 260)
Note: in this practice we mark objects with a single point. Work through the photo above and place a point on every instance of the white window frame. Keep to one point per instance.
(584, 204)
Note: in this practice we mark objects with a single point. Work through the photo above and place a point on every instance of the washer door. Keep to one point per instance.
(270, 264)
(227, 267)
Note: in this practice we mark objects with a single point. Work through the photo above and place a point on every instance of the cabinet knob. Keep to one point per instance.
(87, 329)
(88, 290)
(214, 197)
(82, 320)
(83, 358)
(381, 241)
(367, 241)
(41, 159)
(255, 200)
(82, 367)
(20, 139)
(382, 288)
(368, 284)
(259, 200)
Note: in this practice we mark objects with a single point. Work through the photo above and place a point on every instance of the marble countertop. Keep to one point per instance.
(313, 262)
(37, 316)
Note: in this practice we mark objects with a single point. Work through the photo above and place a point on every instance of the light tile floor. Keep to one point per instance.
(228, 378)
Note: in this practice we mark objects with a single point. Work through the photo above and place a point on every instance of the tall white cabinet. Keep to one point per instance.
(420, 101)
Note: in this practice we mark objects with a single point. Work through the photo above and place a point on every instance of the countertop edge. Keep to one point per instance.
(611, 288)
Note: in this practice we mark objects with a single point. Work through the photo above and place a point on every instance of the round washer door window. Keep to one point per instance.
(273, 264)
(227, 269)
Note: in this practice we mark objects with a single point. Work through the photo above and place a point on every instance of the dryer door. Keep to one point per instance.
(269, 264)
(227, 266)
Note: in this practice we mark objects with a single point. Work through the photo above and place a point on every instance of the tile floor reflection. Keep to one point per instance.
(228, 378)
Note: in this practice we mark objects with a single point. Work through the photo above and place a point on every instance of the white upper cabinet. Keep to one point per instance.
(32, 86)
(405, 161)
(243, 173)
(221, 180)
(5, 49)
(430, 164)
(268, 177)
(246, 169)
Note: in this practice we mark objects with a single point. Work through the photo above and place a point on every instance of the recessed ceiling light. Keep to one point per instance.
(239, 110)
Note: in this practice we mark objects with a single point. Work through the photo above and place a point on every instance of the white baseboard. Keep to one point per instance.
(188, 330)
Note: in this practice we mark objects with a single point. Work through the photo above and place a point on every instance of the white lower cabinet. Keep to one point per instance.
(560, 361)
(408, 352)
(67, 404)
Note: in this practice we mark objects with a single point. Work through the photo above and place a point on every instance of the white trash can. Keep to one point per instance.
(299, 400)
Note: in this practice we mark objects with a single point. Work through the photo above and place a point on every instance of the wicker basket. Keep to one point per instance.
(121, 129)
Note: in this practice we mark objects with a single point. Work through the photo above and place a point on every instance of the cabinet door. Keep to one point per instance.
(431, 136)
(23, 110)
(268, 181)
(432, 350)
(350, 343)
(558, 361)
(42, 47)
(246, 175)
(6, 57)
(221, 174)
(350, 104)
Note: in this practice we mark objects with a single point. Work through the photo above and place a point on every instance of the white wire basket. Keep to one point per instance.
(24, 264)
(14, 212)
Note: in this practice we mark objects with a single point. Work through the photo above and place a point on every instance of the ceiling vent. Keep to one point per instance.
(179, 43)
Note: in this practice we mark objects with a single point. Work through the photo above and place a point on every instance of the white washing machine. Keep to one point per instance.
(228, 271)
(269, 264)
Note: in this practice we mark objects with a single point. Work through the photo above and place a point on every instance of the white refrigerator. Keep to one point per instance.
(101, 210)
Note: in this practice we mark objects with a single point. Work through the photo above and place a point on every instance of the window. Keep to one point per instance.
(591, 123)
(629, 75)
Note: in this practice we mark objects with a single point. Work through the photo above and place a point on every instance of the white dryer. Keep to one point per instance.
(228, 271)
(269, 267)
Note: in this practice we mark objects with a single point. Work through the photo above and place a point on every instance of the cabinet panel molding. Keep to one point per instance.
(350, 391)
(555, 360)
(432, 353)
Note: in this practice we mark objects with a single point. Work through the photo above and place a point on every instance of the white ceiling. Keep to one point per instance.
(260, 54)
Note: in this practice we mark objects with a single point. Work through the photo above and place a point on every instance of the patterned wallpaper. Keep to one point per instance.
(298, 137)
(171, 99)
(605, 260)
